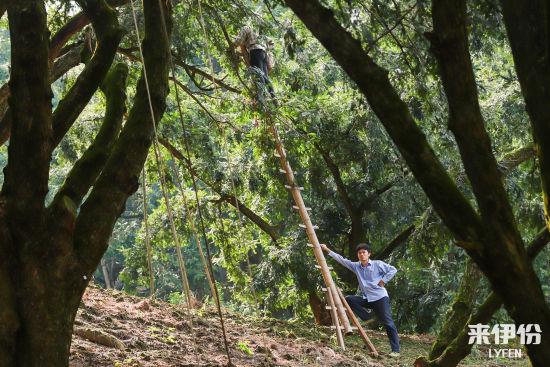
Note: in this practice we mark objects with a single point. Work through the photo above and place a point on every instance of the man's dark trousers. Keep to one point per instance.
(382, 310)
(258, 59)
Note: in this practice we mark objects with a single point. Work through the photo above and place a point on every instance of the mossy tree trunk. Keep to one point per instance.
(490, 234)
(460, 310)
(49, 253)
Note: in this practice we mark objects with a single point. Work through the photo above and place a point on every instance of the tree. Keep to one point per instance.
(490, 234)
(51, 251)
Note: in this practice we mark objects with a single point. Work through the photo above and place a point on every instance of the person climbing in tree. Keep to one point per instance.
(372, 276)
(255, 51)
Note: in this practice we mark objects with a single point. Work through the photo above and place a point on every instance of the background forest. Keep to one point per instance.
(355, 180)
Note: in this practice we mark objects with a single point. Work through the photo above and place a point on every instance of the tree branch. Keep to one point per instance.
(527, 25)
(86, 170)
(337, 176)
(400, 239)
(450, 45)
(73, 26)
(26, 175)
(57, 43)
(190, 94)
(61, 66)
(376, 194)
(109, 34)
(119, 178)
(190, 69)
(271, 230)
(515, 158)
(508, 162)
(504, 259)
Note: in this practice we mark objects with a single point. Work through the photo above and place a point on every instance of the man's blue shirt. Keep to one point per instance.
(369, 276)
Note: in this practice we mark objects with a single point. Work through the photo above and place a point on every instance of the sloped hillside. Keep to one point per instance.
(114, 329)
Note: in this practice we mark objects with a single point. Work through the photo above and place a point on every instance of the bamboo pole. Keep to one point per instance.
(335, 320)
(310, 231)
(356, 322)
(148, 237)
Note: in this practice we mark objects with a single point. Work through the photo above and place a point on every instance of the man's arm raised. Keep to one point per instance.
(339, 258)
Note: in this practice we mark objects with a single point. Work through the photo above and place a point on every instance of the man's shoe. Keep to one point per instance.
(394, 354)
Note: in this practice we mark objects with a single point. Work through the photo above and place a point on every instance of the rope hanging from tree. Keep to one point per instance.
(225, 151)
(189, 215)
(194, 181)
(181, 263)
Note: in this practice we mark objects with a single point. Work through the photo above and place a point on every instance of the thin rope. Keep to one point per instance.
(194, 181)
(189, 214)
(225, 150)
(147, 235)
(181, 262)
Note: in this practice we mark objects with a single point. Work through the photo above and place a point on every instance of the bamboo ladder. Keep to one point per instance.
(338, 305)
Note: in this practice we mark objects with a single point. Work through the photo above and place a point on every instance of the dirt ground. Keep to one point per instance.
(144, 332)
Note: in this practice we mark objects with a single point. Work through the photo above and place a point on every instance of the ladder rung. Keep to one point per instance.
(328, 307)
(304, 226)
(341, 327)
(295, 207)
(294, 187)
(319, 267)
(284, 172)
(310, 245)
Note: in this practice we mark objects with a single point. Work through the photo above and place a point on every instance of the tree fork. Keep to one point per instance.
(105, 24)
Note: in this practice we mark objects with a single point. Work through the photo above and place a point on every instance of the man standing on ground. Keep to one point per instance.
(372, 276)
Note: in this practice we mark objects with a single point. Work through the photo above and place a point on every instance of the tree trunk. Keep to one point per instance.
(50, 253)
(356, 234)
(47, 308)
(320, 313)
(460, 347)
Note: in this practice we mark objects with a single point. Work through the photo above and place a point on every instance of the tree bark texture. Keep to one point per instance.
(50, 253)
(320, 313)
(527, 25)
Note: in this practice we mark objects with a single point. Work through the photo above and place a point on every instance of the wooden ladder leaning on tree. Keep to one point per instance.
(337, 304)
